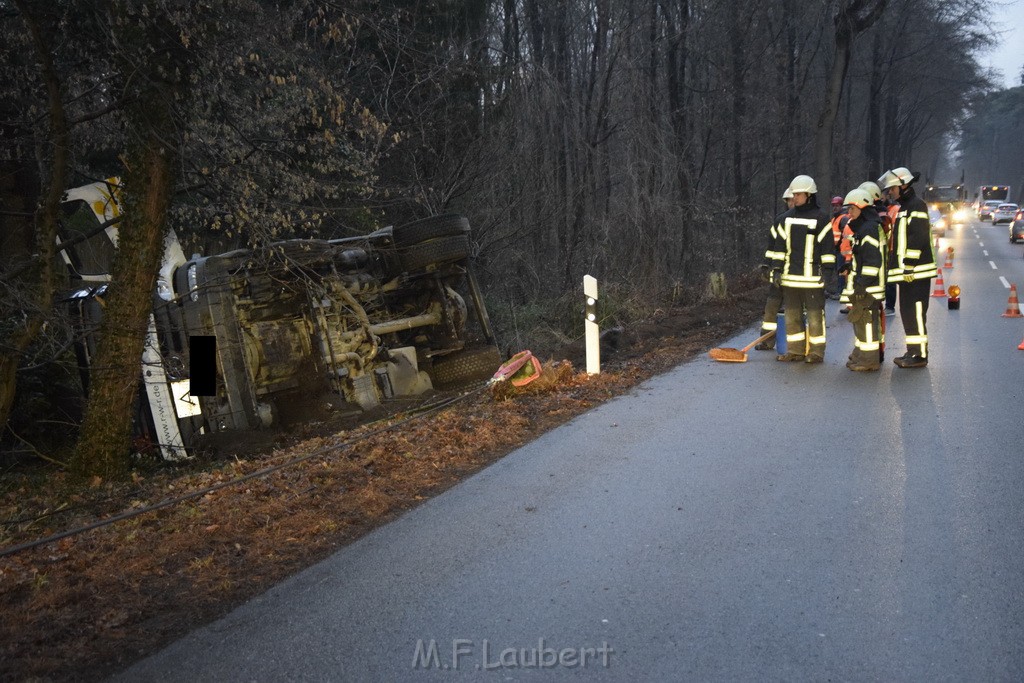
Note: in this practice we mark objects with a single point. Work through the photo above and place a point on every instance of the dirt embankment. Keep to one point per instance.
(88, 605)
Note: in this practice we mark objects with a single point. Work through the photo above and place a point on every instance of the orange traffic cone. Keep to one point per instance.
(940, 286)
(1021, 347)
(1013, 306)
(949, 258)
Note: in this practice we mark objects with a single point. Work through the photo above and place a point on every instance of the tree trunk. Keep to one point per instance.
(852, 19)
(103, 448)
(873, 140)
(151, 95)
(827, 119)
(46, 242)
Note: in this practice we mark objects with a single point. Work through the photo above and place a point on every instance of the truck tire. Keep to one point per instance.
(433, 252)
(444, 225)
(465, 367)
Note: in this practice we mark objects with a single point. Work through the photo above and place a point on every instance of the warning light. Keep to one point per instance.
(953, 302)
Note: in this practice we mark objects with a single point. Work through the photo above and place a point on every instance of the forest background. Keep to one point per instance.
(645, 142)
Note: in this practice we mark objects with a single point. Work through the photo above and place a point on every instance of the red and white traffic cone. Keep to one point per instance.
(1013, 306)
(940, 286)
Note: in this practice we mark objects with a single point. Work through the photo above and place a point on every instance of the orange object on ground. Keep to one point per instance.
(727, 355)
(519, 370)
(949, 258)
(940, 286)
(1013, 306)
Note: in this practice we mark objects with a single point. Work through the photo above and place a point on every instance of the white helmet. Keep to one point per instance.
(803, 183)
(858, 197)
(872, 189)
(904, 174)
(897, 176)
(788, 194)
(887, 180)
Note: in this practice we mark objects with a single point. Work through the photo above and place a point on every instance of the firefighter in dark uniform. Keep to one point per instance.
(865, 286)
(803, 244)
(913, 264)
(774, 303)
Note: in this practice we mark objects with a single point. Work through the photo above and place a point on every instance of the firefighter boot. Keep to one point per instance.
(864, 361)
(909, 360)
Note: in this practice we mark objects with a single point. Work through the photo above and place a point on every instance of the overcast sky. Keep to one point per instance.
(1008, 55)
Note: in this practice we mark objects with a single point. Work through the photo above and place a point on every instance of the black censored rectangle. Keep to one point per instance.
(202, 365)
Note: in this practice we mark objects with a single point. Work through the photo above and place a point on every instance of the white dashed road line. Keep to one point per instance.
(1005, 282)
(994, 266)
(981, 244)
(985, 252)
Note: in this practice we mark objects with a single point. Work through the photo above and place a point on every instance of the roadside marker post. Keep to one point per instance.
(591, 326)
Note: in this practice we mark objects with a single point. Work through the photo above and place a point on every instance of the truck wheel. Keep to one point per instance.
(435, 251)
(465, 367)
(429, 228)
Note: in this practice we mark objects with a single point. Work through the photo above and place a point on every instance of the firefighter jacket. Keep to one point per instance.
(803, 242)
(867, 264)
(912, 255)
(769, 254)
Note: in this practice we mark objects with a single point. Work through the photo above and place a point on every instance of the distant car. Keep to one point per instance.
(986, 210)
(1004, 213)
(938, 222)
(1017, 226)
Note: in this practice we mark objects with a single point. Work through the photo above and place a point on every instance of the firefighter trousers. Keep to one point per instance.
(914, 298)
(799, 302)
(771, 309)
(867, 324)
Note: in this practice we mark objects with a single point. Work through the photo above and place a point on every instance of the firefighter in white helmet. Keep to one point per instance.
(912, 265)
(802, 244)
(769, 323)
(865, 286)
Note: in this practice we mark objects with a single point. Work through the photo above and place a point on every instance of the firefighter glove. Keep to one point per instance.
(766, 273)
(777, 278)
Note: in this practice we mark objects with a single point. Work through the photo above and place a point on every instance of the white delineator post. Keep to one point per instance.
(592, 332)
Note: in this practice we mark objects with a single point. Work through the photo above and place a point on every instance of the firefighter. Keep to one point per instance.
(803, 243)
(913, 264)
(774, 303)
(837, 207)
(835, 281)
(888, 209)
(866, 282)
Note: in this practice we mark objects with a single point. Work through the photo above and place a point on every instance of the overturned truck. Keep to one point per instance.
(356, 320)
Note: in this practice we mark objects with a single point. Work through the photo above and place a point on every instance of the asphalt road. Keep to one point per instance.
(759, 521)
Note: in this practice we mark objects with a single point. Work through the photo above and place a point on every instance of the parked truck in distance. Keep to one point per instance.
(344, 322)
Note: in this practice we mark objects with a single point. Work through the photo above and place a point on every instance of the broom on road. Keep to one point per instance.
(728, 355)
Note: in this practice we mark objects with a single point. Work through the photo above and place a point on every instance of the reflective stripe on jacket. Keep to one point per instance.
(803, 242)
(913, 253)
(867, 269)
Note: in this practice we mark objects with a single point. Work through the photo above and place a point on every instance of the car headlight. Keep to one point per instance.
(960, 216)
(940, 224)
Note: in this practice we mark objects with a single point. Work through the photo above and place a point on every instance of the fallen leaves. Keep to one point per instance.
(154, 577)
